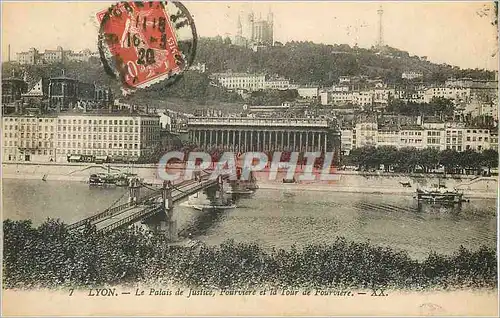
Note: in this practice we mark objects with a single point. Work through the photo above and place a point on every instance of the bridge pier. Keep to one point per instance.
(215, 193)
(134, 188)
(168, 204)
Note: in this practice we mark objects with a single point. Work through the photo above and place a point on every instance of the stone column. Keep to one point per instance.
(217, 138)
(288, 141)
(263, 140)
(259, 148)
(300, 140)
(210, 137)
(319, 142)
(234, 139)
(245, 140)
(251, 141)
(239, 141)
(312, 142)
(294, 141)
(326, 140)
(282, 143)
(270, 140)
(307, 141)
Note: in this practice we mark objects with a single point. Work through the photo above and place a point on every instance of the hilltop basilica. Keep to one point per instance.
(254, 33)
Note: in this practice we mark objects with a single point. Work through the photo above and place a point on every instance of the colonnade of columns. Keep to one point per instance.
(261, 140)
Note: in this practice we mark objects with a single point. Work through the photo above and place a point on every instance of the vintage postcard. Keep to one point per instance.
(171, 158)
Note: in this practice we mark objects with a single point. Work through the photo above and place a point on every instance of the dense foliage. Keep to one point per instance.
(409, 159)
(192, 86)
(322, 64)
(437, 106)
(50, 256)
(272, 97)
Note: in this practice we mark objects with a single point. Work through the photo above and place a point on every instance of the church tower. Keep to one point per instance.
(250, 21)
(270, 22)
(239, 28)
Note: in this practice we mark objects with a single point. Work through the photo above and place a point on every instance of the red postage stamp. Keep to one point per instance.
(139, 44)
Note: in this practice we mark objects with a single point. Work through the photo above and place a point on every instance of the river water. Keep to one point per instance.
(281, 218)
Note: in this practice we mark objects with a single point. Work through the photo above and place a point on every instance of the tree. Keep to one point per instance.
(442, 105)
(489, 159)
(407, 159)
(428, 158)
(469, 159)
(364, 157)
(449, 159)
(386, 155)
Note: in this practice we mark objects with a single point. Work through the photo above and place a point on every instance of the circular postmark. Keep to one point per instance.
(146, 43)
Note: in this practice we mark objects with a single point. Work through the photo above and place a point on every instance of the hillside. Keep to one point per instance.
(301, 62)
(307, 62)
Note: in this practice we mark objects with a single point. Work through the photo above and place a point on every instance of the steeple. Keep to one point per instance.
(239, 27)
(270, 17)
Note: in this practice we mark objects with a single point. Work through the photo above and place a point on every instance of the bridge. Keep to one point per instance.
(157, 203)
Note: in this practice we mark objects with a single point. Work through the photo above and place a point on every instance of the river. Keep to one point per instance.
(279, 218)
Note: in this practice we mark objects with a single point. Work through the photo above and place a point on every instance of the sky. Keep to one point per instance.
(456, 33)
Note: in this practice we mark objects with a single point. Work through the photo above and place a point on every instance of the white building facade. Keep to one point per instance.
(48, 139)
(250, 82)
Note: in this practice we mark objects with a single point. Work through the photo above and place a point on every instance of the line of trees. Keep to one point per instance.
(426, 160)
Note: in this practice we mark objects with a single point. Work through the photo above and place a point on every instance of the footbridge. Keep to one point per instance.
(158, 203)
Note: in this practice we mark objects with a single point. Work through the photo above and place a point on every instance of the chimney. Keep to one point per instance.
(8, 58)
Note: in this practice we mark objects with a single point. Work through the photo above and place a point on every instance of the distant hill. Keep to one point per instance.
(308, 62)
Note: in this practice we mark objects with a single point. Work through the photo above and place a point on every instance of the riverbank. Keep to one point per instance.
(343, 181)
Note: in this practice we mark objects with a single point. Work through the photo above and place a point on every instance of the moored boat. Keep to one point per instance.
(211, 207)
(240, 191)
(439, 195)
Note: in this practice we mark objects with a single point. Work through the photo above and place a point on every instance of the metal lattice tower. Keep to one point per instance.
(380, 41)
